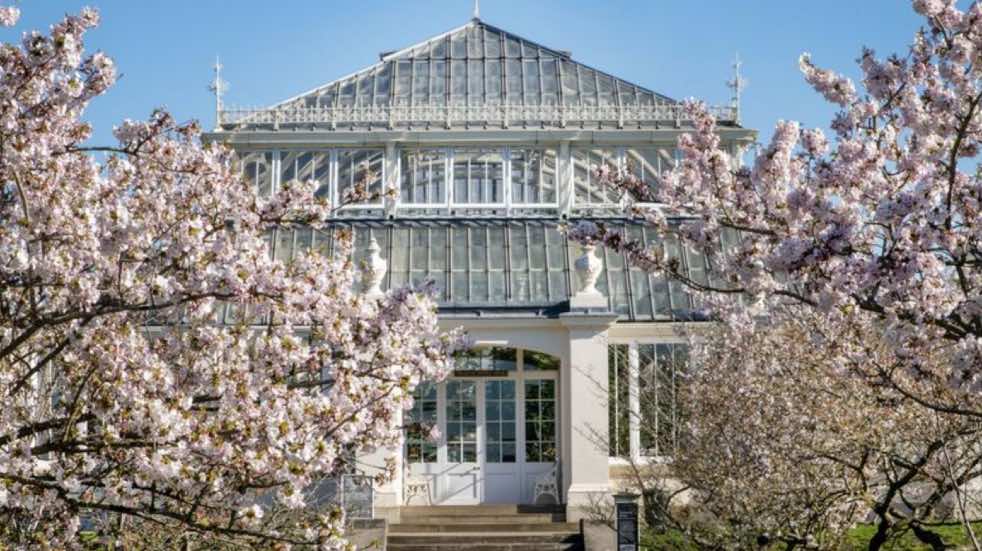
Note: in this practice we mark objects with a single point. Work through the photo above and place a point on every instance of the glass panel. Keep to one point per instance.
(587, 189)
(512, 47)
(531, 81)
(458, 45)
(421, 81)
(571, 91)
(519, 263)
(475, 81)
(626, 92)
(348, 93)
(499, 396)
(422, 178)
(382, 80)
(461, 414)
(360, 170)
(616, 281)
(539, 361)
(533, 176)
(399, 262)
(421, 417)
(618, 410)
(458, 82)
(640, 290)
(648, 163)
(403, 81)
(365, 86)
(257, 169)
(540, 421)
(487, 359)
(493, 79)
(492, 44)
(478, 176)
(513, 67)
(438, 82)
(550, 82)
(588, 86)
(661, 368)
(475, 42)
(606, 89)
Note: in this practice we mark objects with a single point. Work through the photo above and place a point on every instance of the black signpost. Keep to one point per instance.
(628, 531)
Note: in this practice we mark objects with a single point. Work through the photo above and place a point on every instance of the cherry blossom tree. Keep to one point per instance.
(155, 362)
(884, 219)
(871, 236)
(786, 442)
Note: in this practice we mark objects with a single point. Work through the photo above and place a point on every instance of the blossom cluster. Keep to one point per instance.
(884, 217)
(125, 389)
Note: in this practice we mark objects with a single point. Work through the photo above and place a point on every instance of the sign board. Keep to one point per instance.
(628, 531)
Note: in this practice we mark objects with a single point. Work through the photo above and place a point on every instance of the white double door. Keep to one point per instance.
(498, 435)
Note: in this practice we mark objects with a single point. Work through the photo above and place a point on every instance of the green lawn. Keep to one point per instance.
(954, 535)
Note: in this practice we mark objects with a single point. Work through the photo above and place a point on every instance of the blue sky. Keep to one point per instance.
(274, 50)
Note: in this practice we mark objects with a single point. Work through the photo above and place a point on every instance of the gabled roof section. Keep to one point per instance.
(474, 76)
(477, 64)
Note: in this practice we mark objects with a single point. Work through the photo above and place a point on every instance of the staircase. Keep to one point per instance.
(484, 528)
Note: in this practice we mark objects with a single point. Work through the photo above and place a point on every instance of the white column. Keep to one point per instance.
(584, 400)
(634, 399)
(388, 496)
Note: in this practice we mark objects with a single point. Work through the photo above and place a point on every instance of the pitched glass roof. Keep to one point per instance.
(478, 64)
(476, 74)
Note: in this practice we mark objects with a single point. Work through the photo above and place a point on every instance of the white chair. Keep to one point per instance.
(547, 485)
(417, 486)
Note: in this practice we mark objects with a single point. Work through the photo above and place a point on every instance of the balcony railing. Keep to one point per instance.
(456, 116)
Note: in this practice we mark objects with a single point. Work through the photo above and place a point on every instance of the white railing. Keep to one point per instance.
(460, 115)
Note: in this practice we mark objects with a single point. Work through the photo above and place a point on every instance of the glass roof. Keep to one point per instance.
(477, 64)
(508, 266)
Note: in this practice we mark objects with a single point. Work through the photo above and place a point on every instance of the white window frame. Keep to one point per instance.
(636, 454)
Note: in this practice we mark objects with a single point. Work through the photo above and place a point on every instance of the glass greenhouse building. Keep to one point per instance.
(491, 141)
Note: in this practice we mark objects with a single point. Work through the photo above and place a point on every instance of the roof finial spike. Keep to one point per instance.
(477, 9)
(738, 84)
(218, 87)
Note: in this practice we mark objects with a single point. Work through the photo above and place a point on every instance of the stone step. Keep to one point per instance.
(576, 546)
(526, 518)
(489, 547)
(479, 510)
(484, 537)
(479, 527)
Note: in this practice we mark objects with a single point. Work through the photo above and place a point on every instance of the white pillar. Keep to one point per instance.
(584, 413)
(388, 496)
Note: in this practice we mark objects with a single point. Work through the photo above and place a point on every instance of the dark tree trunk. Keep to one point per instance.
(880, 537)
(928, 537)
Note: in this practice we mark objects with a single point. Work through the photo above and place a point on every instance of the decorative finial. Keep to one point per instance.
(737, 85)
(477, 9)
(218, 87)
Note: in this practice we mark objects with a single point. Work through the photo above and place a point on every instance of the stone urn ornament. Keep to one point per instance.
(373, 270)
(588, 267)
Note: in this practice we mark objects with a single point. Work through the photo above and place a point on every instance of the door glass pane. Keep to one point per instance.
(419, 448)
(499, 410)
(461, 421)
(540, 421)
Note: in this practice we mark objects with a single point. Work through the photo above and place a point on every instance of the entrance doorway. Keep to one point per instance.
(498, 422)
